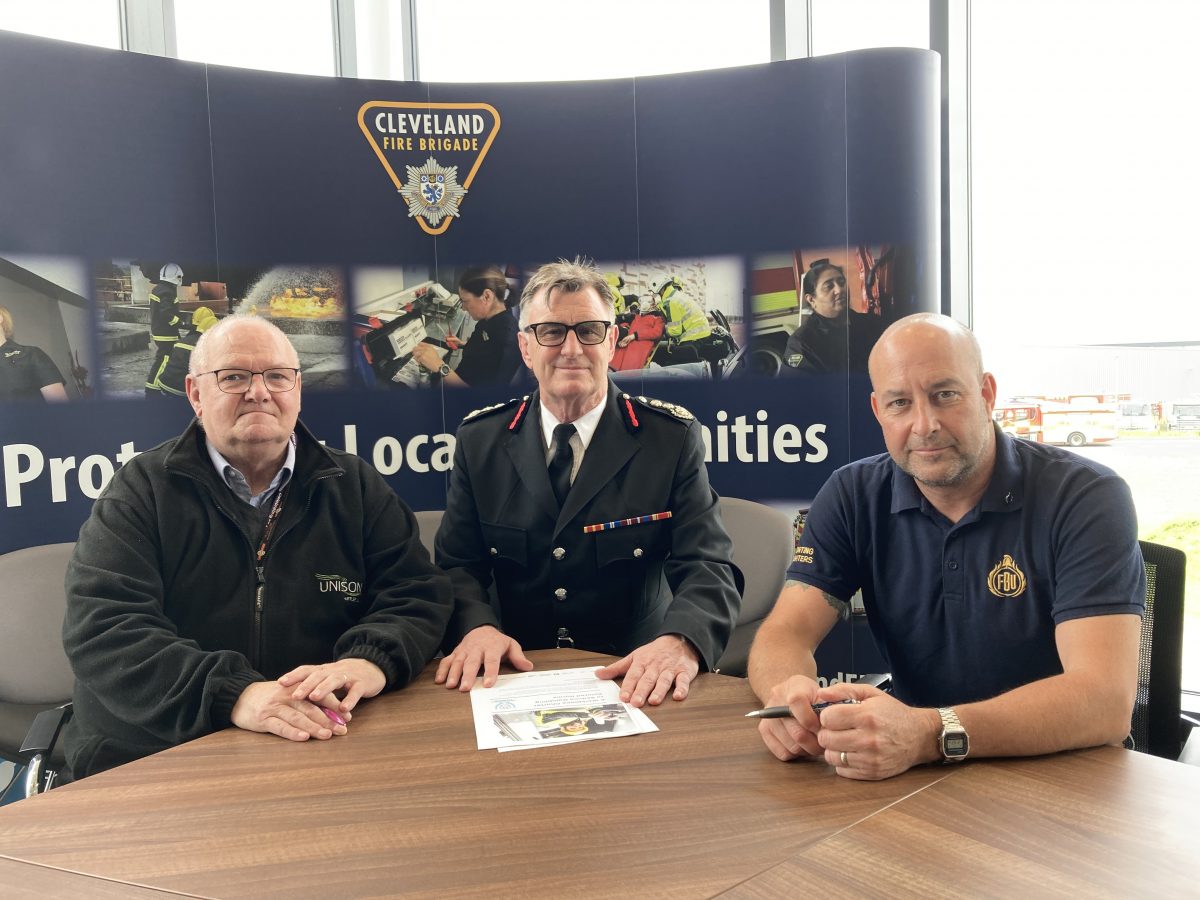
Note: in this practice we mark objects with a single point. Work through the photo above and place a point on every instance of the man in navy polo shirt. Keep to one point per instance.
(1002, 581)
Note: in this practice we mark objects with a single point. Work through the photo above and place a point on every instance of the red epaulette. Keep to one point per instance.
(499, 407)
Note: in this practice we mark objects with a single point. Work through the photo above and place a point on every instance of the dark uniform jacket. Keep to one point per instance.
(169, 619)
(164, 313)
(491, 354)
(822, 345)
(609, 591)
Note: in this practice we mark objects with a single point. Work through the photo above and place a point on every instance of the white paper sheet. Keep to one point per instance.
(557, 706)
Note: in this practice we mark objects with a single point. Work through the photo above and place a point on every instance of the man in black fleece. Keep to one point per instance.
(242, 574)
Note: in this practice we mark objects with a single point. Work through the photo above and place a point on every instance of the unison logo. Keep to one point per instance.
(339, 584)
(432, 144)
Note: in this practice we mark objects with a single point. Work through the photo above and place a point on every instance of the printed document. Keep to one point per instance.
(559, 706)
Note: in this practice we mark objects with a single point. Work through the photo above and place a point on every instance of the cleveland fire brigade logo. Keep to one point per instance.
(1005, 579)
(431, 143)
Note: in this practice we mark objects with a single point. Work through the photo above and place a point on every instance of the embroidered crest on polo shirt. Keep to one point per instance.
(1006, 579)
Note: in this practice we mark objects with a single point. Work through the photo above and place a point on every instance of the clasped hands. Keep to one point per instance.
(294, 705)
(875, 738)
(650, 671)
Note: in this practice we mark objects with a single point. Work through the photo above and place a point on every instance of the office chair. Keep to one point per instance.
(35, 676)
(1158, 727)
(763, 545)
(428, 521)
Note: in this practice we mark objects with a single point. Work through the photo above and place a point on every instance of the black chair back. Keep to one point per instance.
(1157, 728)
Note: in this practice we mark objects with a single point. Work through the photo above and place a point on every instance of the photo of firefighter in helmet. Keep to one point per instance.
(165, 320)
(177, 301)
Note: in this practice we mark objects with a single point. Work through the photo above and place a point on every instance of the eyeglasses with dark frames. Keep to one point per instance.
(278, 380)
(552, 334)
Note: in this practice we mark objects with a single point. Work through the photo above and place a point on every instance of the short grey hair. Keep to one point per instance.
(198, 365)
(569, 277)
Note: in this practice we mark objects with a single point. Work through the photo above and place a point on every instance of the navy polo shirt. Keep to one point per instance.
(966, 611)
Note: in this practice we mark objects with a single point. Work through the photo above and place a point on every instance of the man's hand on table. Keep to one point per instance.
(794, 737)
(352, 679)
(651, 669)
(880, 736)
(484, 646)
(268, 707)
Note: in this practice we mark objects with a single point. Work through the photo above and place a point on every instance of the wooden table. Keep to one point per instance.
(1094, 823)
(405, 805)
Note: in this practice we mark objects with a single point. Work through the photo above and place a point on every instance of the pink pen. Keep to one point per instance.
(333, 717)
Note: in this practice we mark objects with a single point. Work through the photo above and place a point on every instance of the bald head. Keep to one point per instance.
(927, 337)
(229, 333)
(934, 403)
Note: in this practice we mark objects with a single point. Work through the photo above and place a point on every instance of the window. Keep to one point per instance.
(293, 36)
(840, 25)
(1084, 196)
(380, 40)
(96, 22)
(548, 40)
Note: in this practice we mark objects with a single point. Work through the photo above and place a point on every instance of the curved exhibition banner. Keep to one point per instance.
(358, 214)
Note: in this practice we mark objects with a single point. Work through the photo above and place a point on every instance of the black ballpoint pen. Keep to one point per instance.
(783, 712)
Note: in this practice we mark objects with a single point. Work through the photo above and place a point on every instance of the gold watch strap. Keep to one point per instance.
(950, 720)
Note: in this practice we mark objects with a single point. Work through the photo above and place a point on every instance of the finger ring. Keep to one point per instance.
(845, 762)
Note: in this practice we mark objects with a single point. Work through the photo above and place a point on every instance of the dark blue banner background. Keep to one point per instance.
(118, 155)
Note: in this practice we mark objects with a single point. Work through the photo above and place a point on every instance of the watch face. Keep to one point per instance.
(954, 744)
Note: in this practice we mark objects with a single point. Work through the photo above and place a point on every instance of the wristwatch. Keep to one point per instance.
(952, 742)
(443, 370)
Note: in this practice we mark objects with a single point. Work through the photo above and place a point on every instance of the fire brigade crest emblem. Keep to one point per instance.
(1006, 579)
(432, 191)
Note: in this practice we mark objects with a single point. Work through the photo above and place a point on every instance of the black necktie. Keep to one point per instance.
(560, 462)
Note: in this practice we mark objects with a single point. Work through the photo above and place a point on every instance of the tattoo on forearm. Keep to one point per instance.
(841, 607)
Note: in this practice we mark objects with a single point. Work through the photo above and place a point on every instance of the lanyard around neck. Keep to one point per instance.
(269, 528)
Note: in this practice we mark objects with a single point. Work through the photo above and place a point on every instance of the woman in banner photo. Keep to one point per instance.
(26, 373)
(832, 337)
(491, 354)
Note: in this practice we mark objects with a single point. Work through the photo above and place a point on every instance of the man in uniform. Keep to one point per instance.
(832, 338)
(589, 509)
(1002, 581)
(242, 574)
(164, 321)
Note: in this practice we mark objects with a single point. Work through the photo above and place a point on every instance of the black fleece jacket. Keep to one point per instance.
(163, 629)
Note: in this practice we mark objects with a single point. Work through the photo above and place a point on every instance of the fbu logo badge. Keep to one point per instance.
(1006, 579)
(432, 144)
